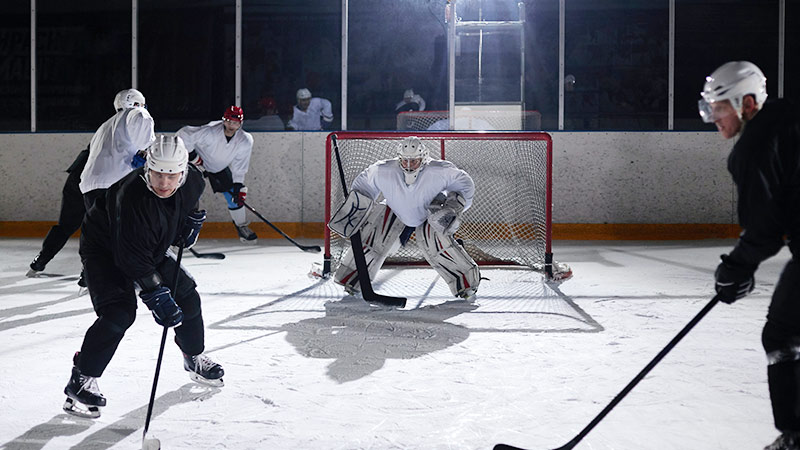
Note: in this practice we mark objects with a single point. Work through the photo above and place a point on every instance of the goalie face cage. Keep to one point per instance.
(509, 222)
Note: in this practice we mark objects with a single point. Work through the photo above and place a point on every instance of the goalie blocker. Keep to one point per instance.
(384, 233)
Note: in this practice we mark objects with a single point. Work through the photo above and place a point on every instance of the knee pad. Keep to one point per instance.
(450, 260)
(380, 235)
(117, 318)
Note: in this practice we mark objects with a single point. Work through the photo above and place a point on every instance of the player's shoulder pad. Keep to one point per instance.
(441, 164)
(247, 136)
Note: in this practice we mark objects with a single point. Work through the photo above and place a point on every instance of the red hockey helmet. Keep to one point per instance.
(234, 113)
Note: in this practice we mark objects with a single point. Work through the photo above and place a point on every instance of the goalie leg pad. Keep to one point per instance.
(450, 260)
(380, 237)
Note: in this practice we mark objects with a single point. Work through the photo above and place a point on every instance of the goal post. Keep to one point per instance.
(510, 221)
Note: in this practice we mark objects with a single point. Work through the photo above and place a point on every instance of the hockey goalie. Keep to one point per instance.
(421, 196)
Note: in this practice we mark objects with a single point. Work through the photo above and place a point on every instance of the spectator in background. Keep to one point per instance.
(269, 119)
(410, 102)
(310, 114)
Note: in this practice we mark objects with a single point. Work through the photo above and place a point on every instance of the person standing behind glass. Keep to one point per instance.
(310, 113)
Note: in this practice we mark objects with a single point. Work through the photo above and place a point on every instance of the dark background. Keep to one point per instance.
(617, 50)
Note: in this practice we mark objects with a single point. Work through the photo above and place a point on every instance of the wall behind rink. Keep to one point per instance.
(601, 180)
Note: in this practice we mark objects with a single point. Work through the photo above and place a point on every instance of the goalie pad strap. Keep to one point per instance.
(380, 238)
(450, 260)
(351, 215)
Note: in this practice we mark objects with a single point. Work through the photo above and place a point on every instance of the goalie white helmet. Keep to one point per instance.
(130, 98)
(732, 81)
(166, 155)
(412, 156)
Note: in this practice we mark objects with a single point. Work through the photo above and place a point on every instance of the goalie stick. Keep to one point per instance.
(153, 443)
(207, 255)
(571, 444)
(367, 292)
(305, 248)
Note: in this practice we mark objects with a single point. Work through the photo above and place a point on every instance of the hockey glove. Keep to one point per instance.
(444, 221)
(191, 228)
(733, 280)
(139, 159)
(239, 194)
(196, 160)
(163, 307)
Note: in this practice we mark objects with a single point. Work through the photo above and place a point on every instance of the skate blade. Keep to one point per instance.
(82, 291)
(79, 409)
(251, 241)
(151, 444)
(206, 381)
(34, 274)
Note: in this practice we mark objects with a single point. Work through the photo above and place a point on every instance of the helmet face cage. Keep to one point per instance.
(412, 157)
(166, 155)
(732, 81)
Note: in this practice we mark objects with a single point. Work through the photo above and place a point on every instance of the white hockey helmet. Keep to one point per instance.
(303, 94)
(412, 155)
(167, 154)
(732, 81)
(130, 98)
(118, 100)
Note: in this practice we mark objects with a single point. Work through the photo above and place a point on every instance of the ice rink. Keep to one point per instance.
(530, 364)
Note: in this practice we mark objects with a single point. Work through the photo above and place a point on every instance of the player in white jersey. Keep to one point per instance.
(421, 195)
(115, 148)
(311, 114)
(222, 149)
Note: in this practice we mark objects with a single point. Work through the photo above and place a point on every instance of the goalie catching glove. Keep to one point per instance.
(351, 215)
(445, 212)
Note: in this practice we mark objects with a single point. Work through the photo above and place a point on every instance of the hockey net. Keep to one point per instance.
(509, 222)
(470, 120)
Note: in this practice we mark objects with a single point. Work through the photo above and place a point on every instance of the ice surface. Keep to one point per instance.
(530, 364)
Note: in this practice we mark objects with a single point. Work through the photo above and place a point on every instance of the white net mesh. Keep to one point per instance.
(509, 221)
(470, 120)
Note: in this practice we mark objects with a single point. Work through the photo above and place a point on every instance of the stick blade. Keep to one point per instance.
(399, 302)
(311, 248)
(506, 447)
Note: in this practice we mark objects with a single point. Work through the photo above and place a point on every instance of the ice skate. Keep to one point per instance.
(789, 440)
(468, 294)
(246, 235)
(83, 396)
(36, 267)
(203, 370)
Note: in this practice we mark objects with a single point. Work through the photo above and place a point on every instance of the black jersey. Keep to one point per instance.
(134, 226)
(765, 165)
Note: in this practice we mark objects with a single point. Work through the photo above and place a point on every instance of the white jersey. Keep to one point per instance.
(410, 203)
(309, 119)
(217, 152)
(113, 145)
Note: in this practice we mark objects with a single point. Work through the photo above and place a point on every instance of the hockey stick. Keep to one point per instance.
(305, 248)
(367, 292)
(154, 443)
(207, 255)
(571, 444)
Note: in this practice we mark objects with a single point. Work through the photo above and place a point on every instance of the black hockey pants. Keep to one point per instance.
(115, 303)
(71, 215)
(781, 341)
